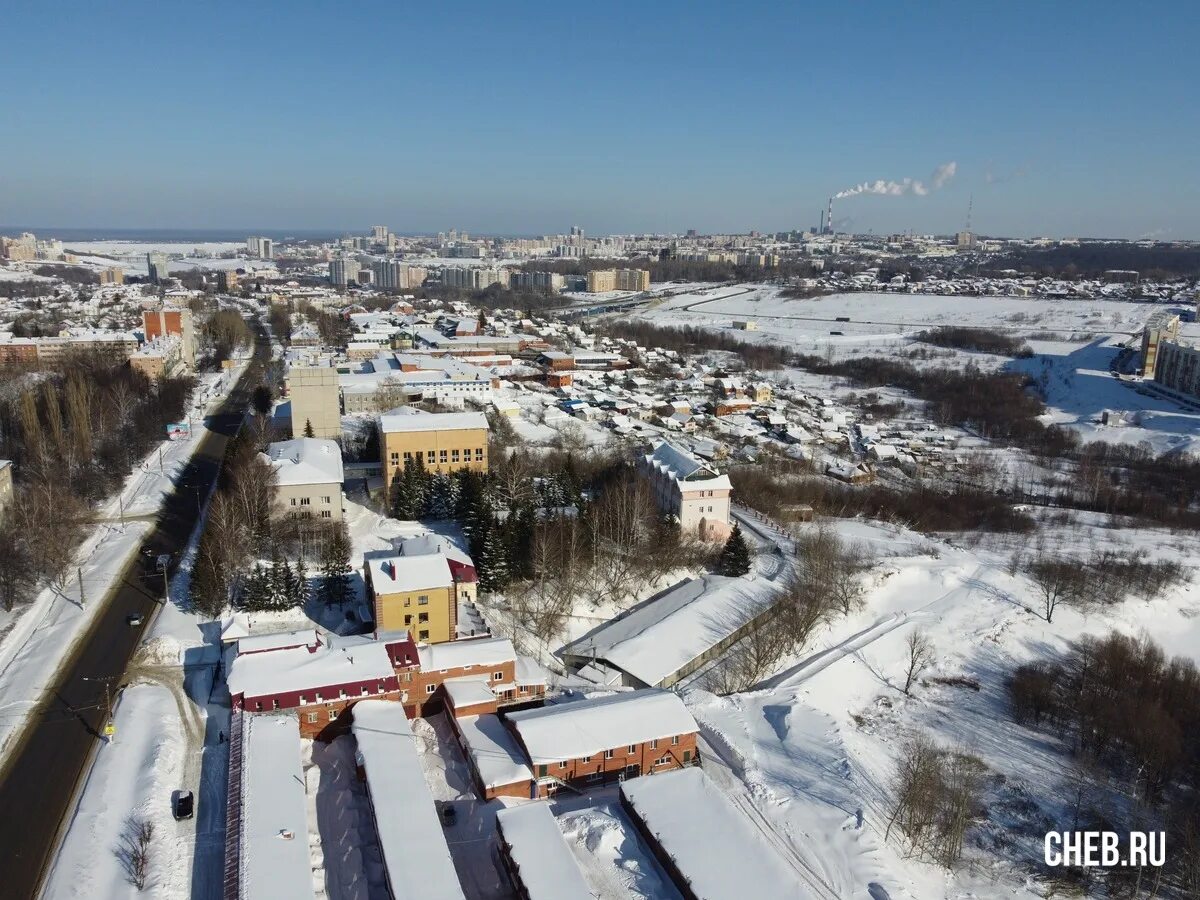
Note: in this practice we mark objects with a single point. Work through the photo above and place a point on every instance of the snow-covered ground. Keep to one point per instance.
(811, 754)
(38, 636)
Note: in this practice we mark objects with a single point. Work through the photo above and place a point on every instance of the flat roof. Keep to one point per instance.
(391, 423)
(394, 573)
(274, 859)
(469, 652)
(494, 751)
(298, 669)
(712, 843)
(410, 834)
(544, 862)
(588, 727)
(470, 691)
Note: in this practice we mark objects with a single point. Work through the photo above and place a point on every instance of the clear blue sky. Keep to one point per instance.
(1063, 118)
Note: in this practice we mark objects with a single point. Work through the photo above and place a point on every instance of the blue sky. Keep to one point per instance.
(1062, 118)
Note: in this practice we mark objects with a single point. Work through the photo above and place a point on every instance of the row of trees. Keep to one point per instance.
(1104, 577)
(980, 340)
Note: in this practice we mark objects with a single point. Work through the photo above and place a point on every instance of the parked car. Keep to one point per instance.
(449, 814)
(134, 619)
(183, 806)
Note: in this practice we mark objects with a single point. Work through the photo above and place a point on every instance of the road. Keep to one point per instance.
(39, 781)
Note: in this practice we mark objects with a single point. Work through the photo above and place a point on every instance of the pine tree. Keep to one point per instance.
(297, 594)
(491, 559)
(255, 590)
(442, 496)
(735, 557)
(335, 567)
(308, 429)
(519, 533)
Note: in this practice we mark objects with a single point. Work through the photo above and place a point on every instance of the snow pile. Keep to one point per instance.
(614, 859)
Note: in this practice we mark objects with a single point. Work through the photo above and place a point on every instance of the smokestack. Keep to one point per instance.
(829, 218)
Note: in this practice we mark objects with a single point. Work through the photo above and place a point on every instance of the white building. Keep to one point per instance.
(690, 490)
(309, 473)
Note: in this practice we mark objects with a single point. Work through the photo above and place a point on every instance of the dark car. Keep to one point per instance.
(183, 806)
(134, 619)
(449, 814)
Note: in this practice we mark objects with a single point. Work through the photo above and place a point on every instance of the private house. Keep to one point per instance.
(309, 477)
(690, 490)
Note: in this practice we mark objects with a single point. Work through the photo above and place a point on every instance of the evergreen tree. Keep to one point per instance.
(443, 495)
(255, 590)
(297, 593)
(491, 558)
(519, 530)
(308, 429)
(335, 566)
(735, 557)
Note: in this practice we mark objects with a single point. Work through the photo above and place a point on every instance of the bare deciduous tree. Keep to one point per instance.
(920, 655)
(133, 850)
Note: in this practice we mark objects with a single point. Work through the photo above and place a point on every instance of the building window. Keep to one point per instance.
(524, 689)
(305, 501)
(675, 740)
(562, 764)
(326, 514)
(406, 677)
(497, 676)
(478, 454)
(423, 617)
(587, 759)
(408, 620)
(423, 635)
(408, 601)
(274, 704)
(430, 688)
(662, 761)
(293, 501)
(632, 749)
(326, 500)
(407, 457)
(423, 600)
(258, 706)
(303, 700)
(542, 770)
(312, 718)
(364, 691)
(396, 458)
(454, 456)
(442, 456)
(608, 754)
(687, 755)
(654, 744)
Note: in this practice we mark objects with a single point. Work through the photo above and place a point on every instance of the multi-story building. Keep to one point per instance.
(418, 589)
(113, 347)
(308, 474)
(551, 282)
(472, 277)
(599, 280)
(1162, 326)
(691, 491)
(441, 442)
(343, 270)
(156, 267)
(315, 396)
(19, 248)
(260, 248)
(6, 487)
(1178, 367)
(112, 275)
(392, 274)
(168, 320)
(160, 358)
(227, 280)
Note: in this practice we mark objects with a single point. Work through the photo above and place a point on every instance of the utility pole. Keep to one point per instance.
(79, 575)
(160, 462)
(166, 587)
(107, 723)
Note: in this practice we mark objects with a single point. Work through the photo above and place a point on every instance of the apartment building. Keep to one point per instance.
(1178, 367)
(551, 282)
(19, 248)
(599, 280)
(690, 490)
(114, 347)
(1162, 326)
(418, 588)
(172, 320)
(315, 396)
(260, 248)
(227, 280)
(473, 277)
(157, 265)
(441, 442)
(343, 270)
(392, 274)
(160, 358)
(470, 677)
(112, 275)
(309, 478)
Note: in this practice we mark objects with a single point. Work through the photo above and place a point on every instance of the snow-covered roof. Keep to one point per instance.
(471, 652)
(278, 640)
(274, 858)
(585, 728)
(410, 834)
(495, 753)
(683, 467)
(469, 691)
(306, 461)
(544, 862)
(656, 639)
(392, 423)
(298, 669)
(393, 573)
(728, 862)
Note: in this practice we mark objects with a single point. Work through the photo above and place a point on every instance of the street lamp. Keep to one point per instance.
(106, 681)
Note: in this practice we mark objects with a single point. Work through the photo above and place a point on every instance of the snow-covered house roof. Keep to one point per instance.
(274, 838)
(658, 638)
(306, 461)
(395, 573)
(455, 654)
(729, 862)
(393, 422)
(278, 640)
(303, 668)
(544, 863)
(497, 758)
(681, 466)
(410, 836)
(587, 727)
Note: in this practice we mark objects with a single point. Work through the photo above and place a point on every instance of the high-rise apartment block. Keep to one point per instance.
(343, 270)
(260, 248)
(156, 267)
(600, 280)
(157, 323)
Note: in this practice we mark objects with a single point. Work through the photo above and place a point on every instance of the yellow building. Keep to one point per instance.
(417, 594)
(441, 442)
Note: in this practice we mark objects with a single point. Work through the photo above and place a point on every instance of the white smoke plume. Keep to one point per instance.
(941, 175)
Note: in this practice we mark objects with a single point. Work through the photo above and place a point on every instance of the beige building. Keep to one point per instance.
(691, 491)
(441, 442)
(1162, 326)
(600, 280)
(112, 275)
(114, 347)
(172, 320)
(6, 487)
(315, 395)
(309, 476)
(1178, 367)
(418, 588)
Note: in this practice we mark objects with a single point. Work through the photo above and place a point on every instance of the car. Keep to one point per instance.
(183, 805)
(449, 814)
(134, 619)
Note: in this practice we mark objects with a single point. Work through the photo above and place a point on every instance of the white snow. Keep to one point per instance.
(340, 662)
(458, 654)
(494, 752)
(410, 835)
(713, 845)
(545, 866)
(588, 727)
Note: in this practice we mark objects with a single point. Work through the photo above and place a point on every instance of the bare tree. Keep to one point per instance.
(920, 655)
(133, 850)
(1059, 581)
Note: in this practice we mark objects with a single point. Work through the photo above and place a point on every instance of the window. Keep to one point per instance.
(342, 693)
(608, 754)
(442, 455)
(662, 761)
(542, 770)
(423, 635)
(318, 698)
(303, 700)
(423, 600)
(396, 458)
(563, 764)
(365, 690)
(326, 514)
(454, 456)
(675, 740)
(497, 676)
(430, 688)
(258, 706)
(332, 713)
(326, 500)
(595, 776)
(423, 617)
(632, 749)
(587, 759)
(687, 755)
(274, 704)
(524, 689)
(479, 454)
(407, 457)
(293, 501)
(312, 718)
(408, 620)
(408, 601)
(305, 501)
(407, 676)
(654, 744)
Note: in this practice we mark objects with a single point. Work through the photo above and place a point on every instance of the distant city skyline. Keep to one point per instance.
(1058, 120)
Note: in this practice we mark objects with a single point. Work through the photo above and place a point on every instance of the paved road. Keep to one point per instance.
(39, 783)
